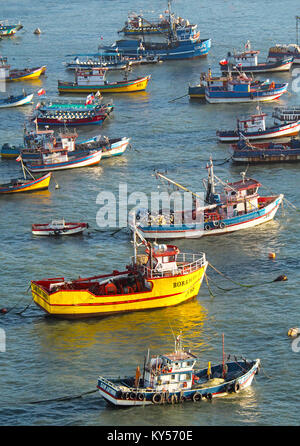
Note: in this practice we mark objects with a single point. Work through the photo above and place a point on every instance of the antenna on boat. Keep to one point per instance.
(297, 33)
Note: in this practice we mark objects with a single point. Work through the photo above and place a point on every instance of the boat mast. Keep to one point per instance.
(297, 33)
(210, 182)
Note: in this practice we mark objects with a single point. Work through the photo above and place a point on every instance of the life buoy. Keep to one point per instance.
(157, 398)
(197, 397)
(236, 387)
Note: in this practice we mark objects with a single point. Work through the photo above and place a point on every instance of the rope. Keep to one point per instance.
(64, 398)
(278, 279)
(209, 289)
(172, 100)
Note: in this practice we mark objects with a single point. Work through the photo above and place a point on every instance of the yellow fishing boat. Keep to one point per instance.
(160, 277)
(92, 80)
(26, 185)
(19, 74)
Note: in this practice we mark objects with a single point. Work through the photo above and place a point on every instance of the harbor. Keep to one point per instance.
(46, 361)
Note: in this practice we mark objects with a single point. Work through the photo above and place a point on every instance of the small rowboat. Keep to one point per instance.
(9, 30)
(59, 227)
(15, 101)
(93, 80)
(172, 378)
(25, 74)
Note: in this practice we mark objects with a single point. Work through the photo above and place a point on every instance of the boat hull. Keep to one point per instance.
(131, 86)
(165, 292)
(270, 133)
(266, 152)
(217, 95)
(88, 160)
(185, 49)
(16, 101)
(226, 226)
(19, 75)
(69, 229)
(32, 186)
(119, 395)
(269, 67)
(9, 30)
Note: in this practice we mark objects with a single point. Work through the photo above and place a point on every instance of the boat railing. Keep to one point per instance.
(186, 263)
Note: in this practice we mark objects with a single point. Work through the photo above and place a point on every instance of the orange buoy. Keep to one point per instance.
(272, 255)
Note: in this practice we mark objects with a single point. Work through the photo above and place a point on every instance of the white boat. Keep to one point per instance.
(15, 101)
(58, 227)
(254, 127)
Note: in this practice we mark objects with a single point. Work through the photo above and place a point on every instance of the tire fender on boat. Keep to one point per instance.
(141, 396)
(222, 225)
(207, 227)
(157, 398)
(208, 396)
(197, 397)
(236, 387)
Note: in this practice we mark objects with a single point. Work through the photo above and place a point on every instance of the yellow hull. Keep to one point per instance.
(166, 292)
(32, 187)
(33, 75)
(130, 88)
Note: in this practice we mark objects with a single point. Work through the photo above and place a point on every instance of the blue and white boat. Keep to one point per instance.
(172, 378)
(245, 152)
(242, 89)
(15, 101)
(227, 207)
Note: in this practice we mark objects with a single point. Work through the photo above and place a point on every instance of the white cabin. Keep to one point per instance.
(171, 372)
(255, 123)
(90, 76)
(241, 197)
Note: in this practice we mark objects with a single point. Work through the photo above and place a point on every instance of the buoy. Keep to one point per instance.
(280, 278)
(294, 331)
(272, 255)
(3, 310)
(37, 31)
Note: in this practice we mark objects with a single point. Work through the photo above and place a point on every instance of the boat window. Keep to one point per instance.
(173, 376)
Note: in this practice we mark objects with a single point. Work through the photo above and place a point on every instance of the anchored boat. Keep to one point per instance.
(15, 101)
(280, 51)
(13, 75)
(158, 278)
(254, 127)
(172, 378)
(228, 207)
(25, 184)
(247, 62)
(93, 80)
(58, 227)
(269, 152)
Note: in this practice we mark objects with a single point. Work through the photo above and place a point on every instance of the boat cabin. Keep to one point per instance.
(245, 59)
(170, 372)
(91, 76)
(162, 258)
(241, 196)
(256, 123)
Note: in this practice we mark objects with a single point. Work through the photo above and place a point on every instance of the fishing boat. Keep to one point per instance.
(37, 141)
(137, 25)
(93, 80)
(60, 159)
(198, 91)
(242, 89)
(15, 101)
(14, 75)
(254, 127)
(110, 146)
(172, 378)
(247, 62)
(281, 51)
(180, 41)
(269, 152)
(25, 184)
(228, 207)
(58, 227)
(53, 116)
(7, 29)
(159, 277)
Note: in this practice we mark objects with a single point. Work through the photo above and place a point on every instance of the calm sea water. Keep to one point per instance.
(48, 358)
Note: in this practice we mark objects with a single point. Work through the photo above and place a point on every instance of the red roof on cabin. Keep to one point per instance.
(248, 183)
